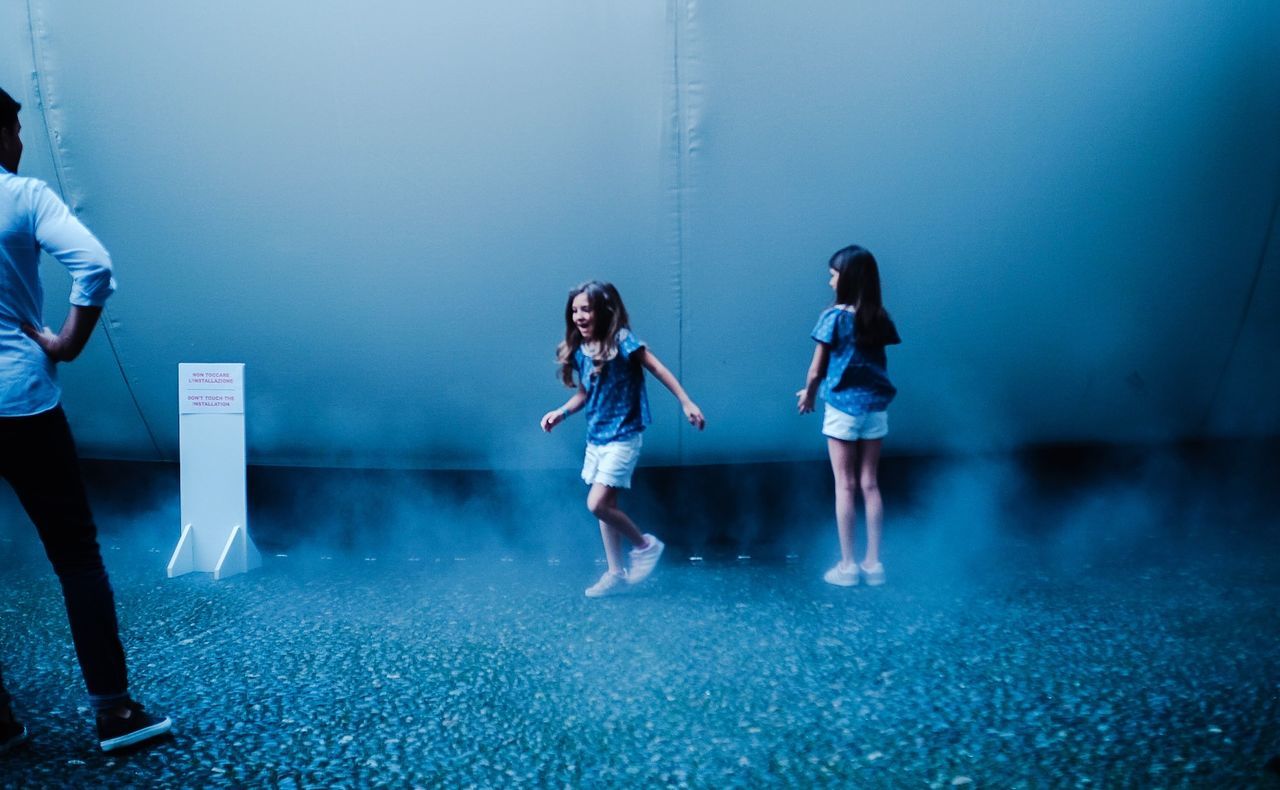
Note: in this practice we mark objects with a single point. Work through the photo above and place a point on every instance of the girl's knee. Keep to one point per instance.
(598, 504)
(869, 486)
(847, 486)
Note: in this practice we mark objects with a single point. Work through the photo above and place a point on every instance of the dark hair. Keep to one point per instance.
(858, 285)
(8, 110)
(608, 316)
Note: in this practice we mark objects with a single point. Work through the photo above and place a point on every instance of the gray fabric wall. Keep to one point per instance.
(379, 208)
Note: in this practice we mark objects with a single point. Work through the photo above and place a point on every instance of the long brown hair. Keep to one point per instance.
(858, 285)
(608, 316)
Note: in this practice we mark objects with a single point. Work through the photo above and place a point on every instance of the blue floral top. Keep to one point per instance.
(617, 406)
(857, 375)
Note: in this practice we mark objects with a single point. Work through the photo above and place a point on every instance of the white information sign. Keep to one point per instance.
(211, 438)
(210, 389)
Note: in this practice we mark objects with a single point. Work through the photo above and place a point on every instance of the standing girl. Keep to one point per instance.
(849, 366)
(605, 364)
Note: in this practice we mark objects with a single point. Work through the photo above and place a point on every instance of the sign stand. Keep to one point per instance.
(212, 455)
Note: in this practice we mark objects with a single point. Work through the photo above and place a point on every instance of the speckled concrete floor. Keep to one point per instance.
(1023, 669)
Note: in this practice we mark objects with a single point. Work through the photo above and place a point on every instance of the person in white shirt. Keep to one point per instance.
(37, 452)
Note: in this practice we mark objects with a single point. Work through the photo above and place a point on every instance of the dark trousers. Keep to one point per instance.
(38, 458)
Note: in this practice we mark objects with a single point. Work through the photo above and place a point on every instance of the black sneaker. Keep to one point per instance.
(135, 725)
(12, 735)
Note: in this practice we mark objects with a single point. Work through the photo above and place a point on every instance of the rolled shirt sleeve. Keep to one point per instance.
(60, 234)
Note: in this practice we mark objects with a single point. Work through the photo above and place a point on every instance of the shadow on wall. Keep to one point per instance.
(1074, 504)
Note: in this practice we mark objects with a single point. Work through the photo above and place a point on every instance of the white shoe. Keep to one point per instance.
(841, 576)
(610, 584)
(874, 575)
(643, 561)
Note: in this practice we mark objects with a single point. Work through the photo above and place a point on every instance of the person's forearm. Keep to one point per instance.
(813, 381)
(670, 381)
(76, 331)
(574, 403)
(817, 372)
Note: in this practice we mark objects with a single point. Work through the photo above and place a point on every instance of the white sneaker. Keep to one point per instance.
(841, 576)
(644, 560)
(610, 584)
(874, 574)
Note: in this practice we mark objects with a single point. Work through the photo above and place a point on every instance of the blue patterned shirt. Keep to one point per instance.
(617, 406)
(857, 375)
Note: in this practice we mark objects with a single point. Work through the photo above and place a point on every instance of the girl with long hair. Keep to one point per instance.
(604, 363)
(850, 370)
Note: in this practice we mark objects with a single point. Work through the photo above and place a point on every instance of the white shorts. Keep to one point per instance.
(612, 464)
(838, 425)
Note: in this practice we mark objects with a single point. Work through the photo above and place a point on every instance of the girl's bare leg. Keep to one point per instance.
(615, 525)
(844, 468)
(870, 486)
(612, 540)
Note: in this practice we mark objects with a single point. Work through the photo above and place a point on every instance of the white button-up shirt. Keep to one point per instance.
(33, 218)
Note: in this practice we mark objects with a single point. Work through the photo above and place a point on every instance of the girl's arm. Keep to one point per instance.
(691, 411)
(553, 418)
(817, 372)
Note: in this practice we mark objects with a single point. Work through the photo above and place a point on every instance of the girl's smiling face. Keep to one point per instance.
(835, 279)
(583, 318)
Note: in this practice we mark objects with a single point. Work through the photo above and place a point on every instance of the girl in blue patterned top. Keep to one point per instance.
(605, 363)
(850, 370)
